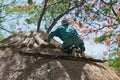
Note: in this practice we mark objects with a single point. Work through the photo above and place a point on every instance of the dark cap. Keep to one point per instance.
(65, 21)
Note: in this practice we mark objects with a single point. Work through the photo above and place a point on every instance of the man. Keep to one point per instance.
(68, 35)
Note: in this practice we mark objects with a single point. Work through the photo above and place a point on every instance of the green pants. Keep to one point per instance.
(73, 40)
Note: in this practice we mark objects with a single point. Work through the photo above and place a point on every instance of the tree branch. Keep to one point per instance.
(105, 2)
(61, 15)
(114, 12)
(6, 30)
(8, 20)
(111, 6)
(103, 13)
(41, 16)
(4, 5)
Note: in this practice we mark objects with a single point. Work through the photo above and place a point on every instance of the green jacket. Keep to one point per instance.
(63, 33)
(69, 36)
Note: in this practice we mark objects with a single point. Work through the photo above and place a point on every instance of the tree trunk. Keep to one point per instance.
(14, 66)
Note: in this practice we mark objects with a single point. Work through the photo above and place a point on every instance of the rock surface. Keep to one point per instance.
(14, 66)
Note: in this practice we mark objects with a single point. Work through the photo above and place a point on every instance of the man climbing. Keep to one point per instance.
(68, 35)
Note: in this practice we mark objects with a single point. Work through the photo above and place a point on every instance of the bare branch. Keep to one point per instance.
(61, 15)
(111, 6)
(6, 30)
(41, 15)
(105, 2)
(114, 12)
(102, 13)
(7, 4)
(9, 19)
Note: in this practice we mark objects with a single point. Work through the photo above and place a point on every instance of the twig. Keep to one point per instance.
(41, 15)
(61, 15)
(111, 6)
(10, 19)
(6, 30)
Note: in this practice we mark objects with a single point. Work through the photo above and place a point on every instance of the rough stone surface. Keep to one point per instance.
(14, 66)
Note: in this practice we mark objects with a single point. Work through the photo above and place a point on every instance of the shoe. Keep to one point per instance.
(74, 53)
(78, 50)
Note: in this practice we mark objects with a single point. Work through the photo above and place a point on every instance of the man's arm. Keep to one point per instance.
(51, 35)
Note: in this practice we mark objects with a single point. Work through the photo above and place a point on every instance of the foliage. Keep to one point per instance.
(1, 37)
(105, 37)
(30, 2)
(23, 8)
(118, 19)
(114, 59)
(115, 63)
(6, 18)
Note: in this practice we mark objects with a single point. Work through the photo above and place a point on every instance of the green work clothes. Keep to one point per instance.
(68, 35)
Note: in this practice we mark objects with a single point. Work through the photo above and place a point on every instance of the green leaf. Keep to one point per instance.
(1, 36)
(30, 2)
(100, 39)
(28, 21)
(46, 27)
(115, 63)
(118, 19)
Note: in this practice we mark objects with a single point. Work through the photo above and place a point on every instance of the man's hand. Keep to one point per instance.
(46, 40)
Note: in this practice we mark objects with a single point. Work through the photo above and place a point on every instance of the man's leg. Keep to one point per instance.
(79, 42)
(65, 49)
(66, 45)
(82, 47)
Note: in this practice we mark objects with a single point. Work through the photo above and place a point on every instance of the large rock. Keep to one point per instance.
(14, 66)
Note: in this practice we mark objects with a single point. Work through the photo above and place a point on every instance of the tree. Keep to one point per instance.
(4, 17)
(94, 17)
